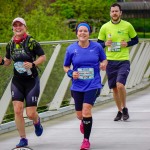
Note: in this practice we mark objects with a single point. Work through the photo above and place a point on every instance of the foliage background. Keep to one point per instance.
(47, 20)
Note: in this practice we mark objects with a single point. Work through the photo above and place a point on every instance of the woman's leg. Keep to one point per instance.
(87, 119)
(32, 114)
(19, 120)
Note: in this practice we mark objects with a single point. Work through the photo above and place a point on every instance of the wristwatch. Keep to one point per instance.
(33, 64)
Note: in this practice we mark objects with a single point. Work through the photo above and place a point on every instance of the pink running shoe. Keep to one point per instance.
(85, 145)
(81, 128)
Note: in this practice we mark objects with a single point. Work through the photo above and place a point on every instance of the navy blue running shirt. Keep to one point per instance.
(85, 59)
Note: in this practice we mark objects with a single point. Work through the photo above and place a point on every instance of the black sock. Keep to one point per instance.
(87, 124)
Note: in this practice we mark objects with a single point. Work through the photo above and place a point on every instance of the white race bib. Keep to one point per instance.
(86, 73)
(115, 47)
(19, 67)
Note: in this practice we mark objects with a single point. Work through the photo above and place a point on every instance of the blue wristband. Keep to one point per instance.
(70, 73)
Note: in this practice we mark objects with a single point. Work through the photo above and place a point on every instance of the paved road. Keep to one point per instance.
(63, 133)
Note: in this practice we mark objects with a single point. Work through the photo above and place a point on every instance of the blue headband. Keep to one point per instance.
(83, 24)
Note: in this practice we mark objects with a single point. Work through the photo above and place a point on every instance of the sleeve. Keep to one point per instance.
(133, 41)
(36, 47)
(7, 55)
(102, 43)
(102, 33)
(131, 31)
(102, 55)
(68, 58)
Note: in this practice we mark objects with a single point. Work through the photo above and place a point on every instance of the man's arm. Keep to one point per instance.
(133, 41)
(102, 43)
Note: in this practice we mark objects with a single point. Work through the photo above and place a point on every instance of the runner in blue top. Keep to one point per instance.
(86, 57)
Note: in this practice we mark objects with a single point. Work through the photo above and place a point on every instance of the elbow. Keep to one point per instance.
(43, 58)
(7, 62)
(136, 39)
(64, 68)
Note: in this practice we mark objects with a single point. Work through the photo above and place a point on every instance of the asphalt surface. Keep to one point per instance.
(63, 133)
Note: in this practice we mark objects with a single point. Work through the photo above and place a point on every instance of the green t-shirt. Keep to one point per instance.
(117, 32)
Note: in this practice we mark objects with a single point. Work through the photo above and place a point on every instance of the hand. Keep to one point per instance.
(108, 43)
(124, 43)
(27, 65)
(75, 75)
(103, 65)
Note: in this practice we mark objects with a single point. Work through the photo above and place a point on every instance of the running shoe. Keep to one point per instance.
(23, 143)
(38, 128)
(118, 117)
(81, 128)
(125, 113)
(85, 145)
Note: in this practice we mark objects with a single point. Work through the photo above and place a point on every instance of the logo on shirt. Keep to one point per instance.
(76, 52)
(91, 50)
(120, 32)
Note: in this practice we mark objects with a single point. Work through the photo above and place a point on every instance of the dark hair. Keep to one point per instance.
(116, 4)
(83, 22)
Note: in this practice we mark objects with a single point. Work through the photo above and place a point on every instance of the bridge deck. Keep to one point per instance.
(63, 133)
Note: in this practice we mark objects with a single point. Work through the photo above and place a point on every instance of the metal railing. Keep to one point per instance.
(140, 69)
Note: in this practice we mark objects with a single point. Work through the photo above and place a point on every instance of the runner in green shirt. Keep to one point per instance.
(116, 36)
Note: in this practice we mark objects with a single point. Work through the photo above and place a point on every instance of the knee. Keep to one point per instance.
(31, 115)
(79, 115)
(120, 86)
(86, 112)
(18, 111)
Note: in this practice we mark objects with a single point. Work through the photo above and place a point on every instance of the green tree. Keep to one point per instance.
(46, 19)
(47, 27)
(96, 12)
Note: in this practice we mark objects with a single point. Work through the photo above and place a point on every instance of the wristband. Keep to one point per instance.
(70, 73)
(33, 64)
(2, 63)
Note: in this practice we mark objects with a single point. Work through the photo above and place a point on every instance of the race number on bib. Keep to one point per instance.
(116, 47)
(86, 73)
(19, 67)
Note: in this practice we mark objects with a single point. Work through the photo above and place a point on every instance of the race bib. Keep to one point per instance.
(115, 47)
(86, 73)
(19, 67)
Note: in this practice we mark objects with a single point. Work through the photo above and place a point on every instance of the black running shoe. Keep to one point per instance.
(118, 117)
(125, 113)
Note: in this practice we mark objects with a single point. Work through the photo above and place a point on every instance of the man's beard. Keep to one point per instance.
(115, 19)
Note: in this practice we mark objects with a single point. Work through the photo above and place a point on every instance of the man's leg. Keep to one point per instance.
(118, 103)
(122, 93)
(122, 96)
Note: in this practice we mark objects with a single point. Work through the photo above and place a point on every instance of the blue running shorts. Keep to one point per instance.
(117, 71)
(84, 97)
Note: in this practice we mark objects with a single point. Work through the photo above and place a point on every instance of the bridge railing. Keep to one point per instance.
(140, 69)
